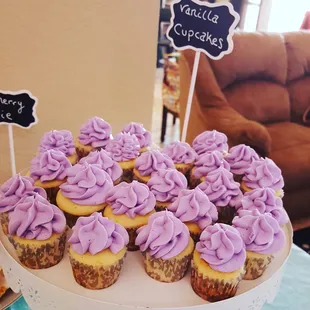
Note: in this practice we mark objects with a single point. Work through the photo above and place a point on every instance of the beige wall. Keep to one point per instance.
(80, 58)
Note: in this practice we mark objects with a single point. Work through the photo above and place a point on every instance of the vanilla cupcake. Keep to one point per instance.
(195, 210)
(97, 251)
(144, 137)
(166, 246)
(263, 238)
(218, 263)
(94, 135)
(130, 205)
(84, 192)
(166, 186)
(49, 171)
(149, 162)
(37, 230)
(124, 149)
(103, 159)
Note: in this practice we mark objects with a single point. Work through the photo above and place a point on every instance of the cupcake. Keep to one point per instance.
(182, 155)
(11, 192)
(124, 149)
(103, 159)
(166, 246)
(263, 238)
(144, 137)
(37, 230)
(84, 192)
(210, 141)
(195, 210)
(49, 170)
(263, 173)
(224, 192)
(130, 205)
(264, 200)
(204, 164)
(218, 263)
(59, 140)
(240, 158)
(97, 251)
(150, 162)
(94, 135)
(166, 186)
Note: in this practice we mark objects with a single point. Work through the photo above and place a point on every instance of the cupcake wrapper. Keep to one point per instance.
(212, 289)
(132, 232)
(127, 175)
(4, 219)
(95, 277)
(255, 267)
(226, 214)
(170, 270)
(51, 194)
(193, 182)
(45, 256)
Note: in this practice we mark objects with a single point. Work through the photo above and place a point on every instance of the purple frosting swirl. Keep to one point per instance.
(167, 184)
(165, 236)
(222, 247)
(35, 218)
(221, 188)
(144, 137)
(123, 147)
(87, 185)
(264, 200)
(95, 132)
(96, 233)
(103, 159)
(209, 141)
(152, 161)
(261, 233)
(194, 206)
(59, 140)
(264, 173)
(240, 157)
(131, 199)
(16, 188)
(180, 152)
(49, 166)
(209, 162)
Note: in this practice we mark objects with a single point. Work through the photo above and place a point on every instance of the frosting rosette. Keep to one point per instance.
(131, 199)
(209, 162)
(49, 165)
(123, 147)
(264, 200)
(180, 152)
(261, 233)
(59, 140)
(95, 233)
(194, 206)
(35, 218)
(209, 141)
(240, 157)
(16, 188)
(165, 236)
(87, 185)
(95, 132)
(166, 184)
(222, 247)
(103, 159)
(221, 188)
(152, 161)
(144, 137)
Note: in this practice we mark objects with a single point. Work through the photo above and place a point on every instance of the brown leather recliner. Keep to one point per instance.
(257, 95)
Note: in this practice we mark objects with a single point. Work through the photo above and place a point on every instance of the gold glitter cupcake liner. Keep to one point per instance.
(256, 264)
(4, 219)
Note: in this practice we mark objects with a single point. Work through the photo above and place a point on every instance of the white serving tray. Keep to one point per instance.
(55, 288)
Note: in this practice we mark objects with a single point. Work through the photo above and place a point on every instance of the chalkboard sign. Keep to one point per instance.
(18, 108)
(202, 26)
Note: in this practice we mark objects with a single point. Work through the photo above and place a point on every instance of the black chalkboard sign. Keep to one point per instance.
(18, 108)
(202, 26)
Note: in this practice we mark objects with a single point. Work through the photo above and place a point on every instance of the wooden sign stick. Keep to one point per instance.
(12, 153)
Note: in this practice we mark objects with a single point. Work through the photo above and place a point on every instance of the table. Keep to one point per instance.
(294, 291)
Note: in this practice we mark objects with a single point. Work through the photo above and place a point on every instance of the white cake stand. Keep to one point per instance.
(55, 288)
